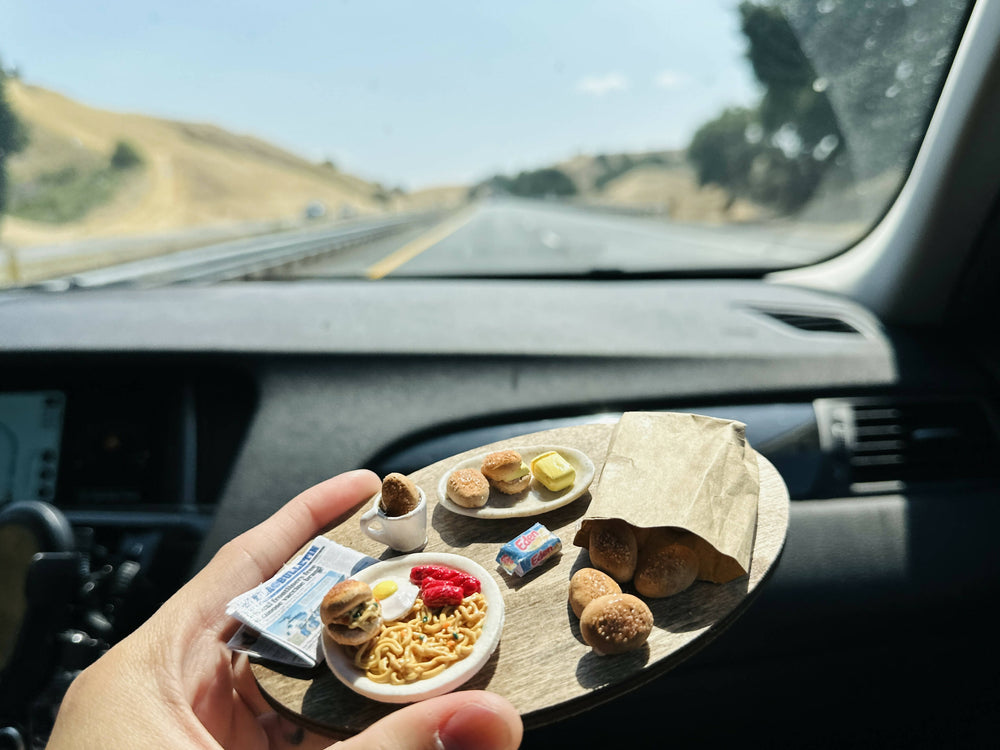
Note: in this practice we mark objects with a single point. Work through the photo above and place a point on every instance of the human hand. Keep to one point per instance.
(174, 682)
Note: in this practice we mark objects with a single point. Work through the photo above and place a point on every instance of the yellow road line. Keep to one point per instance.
(411, 250)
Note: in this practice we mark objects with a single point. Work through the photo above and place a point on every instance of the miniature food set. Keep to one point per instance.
(573, 606)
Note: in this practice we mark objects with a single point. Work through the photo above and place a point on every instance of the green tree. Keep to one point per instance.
(847, 91)
(723, 153)
(543, 182)
(13, 137)
(882, 64)
(778, 152)
(788, 76)
(125, 156)
(538, 183)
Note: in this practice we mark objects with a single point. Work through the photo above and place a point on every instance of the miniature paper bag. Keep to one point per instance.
(688, 472)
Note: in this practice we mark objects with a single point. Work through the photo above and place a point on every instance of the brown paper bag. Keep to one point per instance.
(688, 472)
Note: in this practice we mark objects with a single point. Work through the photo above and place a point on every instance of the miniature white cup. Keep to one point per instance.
(406, 533)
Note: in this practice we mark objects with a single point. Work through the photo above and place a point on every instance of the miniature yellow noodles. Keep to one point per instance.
(424, 645)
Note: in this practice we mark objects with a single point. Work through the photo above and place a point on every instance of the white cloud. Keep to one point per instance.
(670, 79)
(603, 84)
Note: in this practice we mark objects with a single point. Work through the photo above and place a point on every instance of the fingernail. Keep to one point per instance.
(474, 725)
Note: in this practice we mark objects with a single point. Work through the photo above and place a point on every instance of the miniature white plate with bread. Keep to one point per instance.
(340, 658)
(536, 498)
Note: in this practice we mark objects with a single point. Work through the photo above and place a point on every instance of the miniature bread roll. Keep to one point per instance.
(613, 548)
(507, 471)
(399, 495)
(666, 566)
(468, 488)
(586, 585)
(616, 623)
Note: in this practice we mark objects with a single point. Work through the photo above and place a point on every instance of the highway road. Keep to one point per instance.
(502, 237)
(511, 237)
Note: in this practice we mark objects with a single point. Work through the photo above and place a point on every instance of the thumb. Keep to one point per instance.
(457, 721)
(255, 555)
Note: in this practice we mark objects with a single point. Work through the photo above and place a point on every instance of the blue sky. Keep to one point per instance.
(406, 93)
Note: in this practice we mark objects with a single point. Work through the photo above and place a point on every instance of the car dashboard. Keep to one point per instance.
(180, 416)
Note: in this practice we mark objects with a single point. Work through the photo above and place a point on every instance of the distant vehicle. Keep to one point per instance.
(315, 210)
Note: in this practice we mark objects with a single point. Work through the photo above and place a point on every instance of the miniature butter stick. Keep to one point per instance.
(553, 471)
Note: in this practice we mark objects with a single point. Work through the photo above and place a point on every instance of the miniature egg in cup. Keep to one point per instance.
(396, 595)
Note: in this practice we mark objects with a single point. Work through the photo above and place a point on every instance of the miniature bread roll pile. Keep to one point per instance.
(663, 564)
(611, 622)
(658, 563)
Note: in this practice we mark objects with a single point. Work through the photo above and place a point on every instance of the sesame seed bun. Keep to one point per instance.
(468, 488)
(613, 548)
(665, 567)
(616, 623)
(586, 585)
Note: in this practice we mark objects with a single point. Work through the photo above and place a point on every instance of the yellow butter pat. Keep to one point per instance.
(553, 471)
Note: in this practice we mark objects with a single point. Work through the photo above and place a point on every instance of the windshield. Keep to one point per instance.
(146, 144)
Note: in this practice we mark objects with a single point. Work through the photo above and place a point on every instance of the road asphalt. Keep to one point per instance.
(508, 237)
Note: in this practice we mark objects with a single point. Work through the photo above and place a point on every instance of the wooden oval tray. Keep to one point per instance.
(542, 665)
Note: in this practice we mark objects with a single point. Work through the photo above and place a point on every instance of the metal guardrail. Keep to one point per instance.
(238, 259)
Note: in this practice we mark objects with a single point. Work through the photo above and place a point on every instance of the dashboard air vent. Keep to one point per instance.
(813, 323)
(913, 442)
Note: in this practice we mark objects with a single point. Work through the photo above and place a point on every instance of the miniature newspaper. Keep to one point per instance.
(280, 618)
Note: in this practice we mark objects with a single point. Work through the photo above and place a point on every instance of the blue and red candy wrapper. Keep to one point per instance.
(528, 550)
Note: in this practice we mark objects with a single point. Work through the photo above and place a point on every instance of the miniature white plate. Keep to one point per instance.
(534, 500)
(342, 665)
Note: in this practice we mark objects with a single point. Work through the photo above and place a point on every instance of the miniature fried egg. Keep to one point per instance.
(396, 595)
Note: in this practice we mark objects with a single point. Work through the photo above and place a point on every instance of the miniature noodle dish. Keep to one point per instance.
(436, 631)
(411, 627)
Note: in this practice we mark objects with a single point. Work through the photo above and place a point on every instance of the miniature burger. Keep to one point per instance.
(529, 550)
(507, 472)
(553, 471)
(350, 613)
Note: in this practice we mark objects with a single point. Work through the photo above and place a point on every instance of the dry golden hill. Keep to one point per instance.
(192, 175)
(662, 181)
(675, 189)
